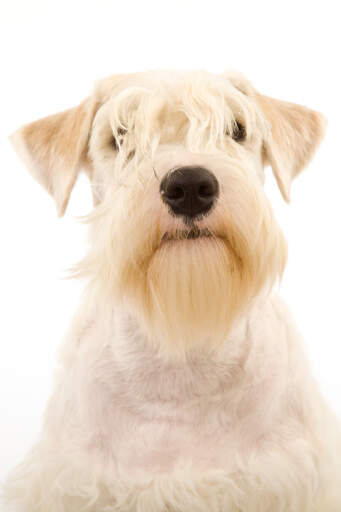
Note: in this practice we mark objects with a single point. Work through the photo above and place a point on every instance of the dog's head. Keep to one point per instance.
(182, 233)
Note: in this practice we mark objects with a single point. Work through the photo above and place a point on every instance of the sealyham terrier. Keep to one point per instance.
(182, 384)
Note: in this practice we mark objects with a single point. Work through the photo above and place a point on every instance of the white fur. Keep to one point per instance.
(182, 384)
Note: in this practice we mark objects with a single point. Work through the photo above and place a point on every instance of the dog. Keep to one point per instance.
(182, 383)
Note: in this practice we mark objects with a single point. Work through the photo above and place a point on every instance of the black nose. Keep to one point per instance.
(189, 191)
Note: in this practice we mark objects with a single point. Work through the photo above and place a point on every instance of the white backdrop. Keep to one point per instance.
(52, 51)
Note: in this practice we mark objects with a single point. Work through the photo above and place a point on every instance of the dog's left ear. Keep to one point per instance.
(55, 148)
(295, 135)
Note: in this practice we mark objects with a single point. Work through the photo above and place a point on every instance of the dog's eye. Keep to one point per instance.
(120, 132)
(239, 132)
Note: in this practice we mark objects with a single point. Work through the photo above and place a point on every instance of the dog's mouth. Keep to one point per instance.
(187, 234)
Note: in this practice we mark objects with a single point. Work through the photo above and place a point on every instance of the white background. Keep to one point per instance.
(51, 53)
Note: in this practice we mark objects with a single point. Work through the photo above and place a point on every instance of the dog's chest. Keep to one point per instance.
(150, 417)
(167, 435)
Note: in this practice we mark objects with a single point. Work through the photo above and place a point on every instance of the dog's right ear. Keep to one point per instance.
(55, 148)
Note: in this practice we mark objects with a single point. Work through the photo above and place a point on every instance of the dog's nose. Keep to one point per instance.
(189, 191)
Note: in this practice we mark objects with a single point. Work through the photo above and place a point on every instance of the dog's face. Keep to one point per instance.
(182, 233)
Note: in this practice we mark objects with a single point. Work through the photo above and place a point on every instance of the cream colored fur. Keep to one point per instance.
(182, 384)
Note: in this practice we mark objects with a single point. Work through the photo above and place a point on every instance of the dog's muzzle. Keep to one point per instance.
(189, 191)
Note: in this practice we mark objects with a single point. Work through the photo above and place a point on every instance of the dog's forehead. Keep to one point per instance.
(174, 82)
(156, 106)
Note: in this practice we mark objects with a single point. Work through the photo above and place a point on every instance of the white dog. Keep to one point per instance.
(182, 384)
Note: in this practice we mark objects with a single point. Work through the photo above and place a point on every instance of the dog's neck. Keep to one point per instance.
(165, 377)
(124, 358)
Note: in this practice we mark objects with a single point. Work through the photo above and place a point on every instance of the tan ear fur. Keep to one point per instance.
(295, 135)
(54, 149)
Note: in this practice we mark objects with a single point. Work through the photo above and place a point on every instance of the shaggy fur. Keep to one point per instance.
(182, 384)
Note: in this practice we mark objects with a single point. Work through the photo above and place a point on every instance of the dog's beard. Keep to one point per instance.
(191, 292)
(186, 287)
(189, 289)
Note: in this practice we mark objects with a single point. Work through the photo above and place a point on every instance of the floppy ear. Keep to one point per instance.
(295, 135)
(55, 147)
